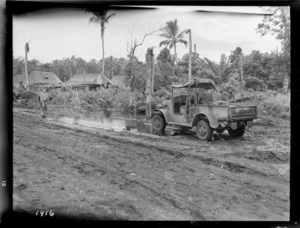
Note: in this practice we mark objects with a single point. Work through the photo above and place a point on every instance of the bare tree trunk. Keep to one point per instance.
(149, 61)
(242, 73)
(152, 75)
(26, 71)
(70, 71)
(190, 56)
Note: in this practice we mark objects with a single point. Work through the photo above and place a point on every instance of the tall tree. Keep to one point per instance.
(171, 32)
(220, 72)
(236, 59)
(26, 71)
(101, 17)
(279, 24)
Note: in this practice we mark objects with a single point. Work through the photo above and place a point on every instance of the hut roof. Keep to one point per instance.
(92, 78)
(38, 78)
(87, 79)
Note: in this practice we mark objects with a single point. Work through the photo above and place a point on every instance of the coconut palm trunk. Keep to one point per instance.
(175, 53)
(26, 72)
(101, 17)
(102, 37)
(242, 72)
(25, 63)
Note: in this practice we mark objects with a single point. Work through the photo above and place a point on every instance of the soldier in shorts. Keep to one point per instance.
(43, 98)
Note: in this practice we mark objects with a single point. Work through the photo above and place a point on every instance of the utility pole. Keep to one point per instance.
(190, 54)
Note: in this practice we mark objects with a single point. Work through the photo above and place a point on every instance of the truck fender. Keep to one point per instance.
(161, 112)
(212, 120)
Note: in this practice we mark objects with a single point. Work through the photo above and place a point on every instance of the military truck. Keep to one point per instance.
(194, 106)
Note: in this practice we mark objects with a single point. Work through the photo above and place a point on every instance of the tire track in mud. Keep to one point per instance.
(215, 160)
(126, 184)
(123, 170)
(230, 166)
(36, 202)
(53, 154)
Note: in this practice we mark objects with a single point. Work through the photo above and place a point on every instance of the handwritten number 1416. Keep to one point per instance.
(42, 213)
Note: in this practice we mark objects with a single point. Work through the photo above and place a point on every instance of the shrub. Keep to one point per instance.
(274, 84)
(278, 105)
(28, 98)
(231, 87)
(163, 92)
(60, 97)
(254, 83)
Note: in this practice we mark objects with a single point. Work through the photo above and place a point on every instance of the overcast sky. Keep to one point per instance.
(55, 34)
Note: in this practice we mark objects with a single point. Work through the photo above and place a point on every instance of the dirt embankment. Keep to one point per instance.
(101, 174)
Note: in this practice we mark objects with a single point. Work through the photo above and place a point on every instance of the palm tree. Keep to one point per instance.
(101, 17)
(220, 71)
(171, 32)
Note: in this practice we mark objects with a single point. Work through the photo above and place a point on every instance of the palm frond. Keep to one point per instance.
(180, 35)
(108, 17)
(171, 27)
(164, 42)
(94, 20)
(211, 66)
(166, 35)
(183, 42)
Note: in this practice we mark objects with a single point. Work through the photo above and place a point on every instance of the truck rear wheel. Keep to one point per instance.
(203, 130)
(237, 132)
(158, 124)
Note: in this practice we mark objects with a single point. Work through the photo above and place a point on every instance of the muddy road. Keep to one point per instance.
(102, 174)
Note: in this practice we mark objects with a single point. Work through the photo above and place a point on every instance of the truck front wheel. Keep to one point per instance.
(203, 130)
(158, 124)
(238, 132)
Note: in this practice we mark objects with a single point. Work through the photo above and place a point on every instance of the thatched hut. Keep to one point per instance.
(86, 82)
(38, 79)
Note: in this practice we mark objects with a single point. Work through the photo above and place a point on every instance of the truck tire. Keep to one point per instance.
(158, 124)
(203, 130)
(238, 132)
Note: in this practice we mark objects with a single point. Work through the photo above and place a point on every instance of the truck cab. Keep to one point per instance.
(194, 105)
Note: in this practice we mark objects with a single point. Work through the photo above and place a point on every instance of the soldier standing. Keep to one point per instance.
(43, 98)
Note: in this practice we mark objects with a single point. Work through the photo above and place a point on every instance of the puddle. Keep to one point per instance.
(114, 123)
